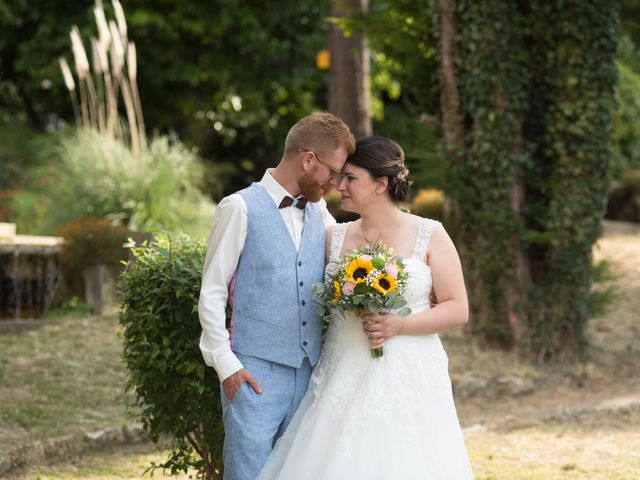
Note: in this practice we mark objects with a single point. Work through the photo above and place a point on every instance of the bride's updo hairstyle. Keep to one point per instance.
(382, 157)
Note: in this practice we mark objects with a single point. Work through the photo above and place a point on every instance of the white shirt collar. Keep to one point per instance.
(276, 191)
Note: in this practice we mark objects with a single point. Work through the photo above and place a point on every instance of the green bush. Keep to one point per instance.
(623, 203)
(626, 121)
(429, 203)
(93, 242)
(18, 148)
(177, 395)
(99, 176)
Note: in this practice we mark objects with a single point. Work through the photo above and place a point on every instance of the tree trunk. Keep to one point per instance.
(450, 102)
(349, 90)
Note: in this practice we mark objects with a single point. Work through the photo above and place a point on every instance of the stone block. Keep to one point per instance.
(100, 287)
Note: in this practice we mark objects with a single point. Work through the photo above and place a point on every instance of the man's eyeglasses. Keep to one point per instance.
(335, 173)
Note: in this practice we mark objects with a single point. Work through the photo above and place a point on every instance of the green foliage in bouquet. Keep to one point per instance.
(177, 397)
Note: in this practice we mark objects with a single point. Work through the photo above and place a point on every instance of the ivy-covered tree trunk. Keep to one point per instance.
(527, 134)
(484, 140)
(569, 124)
(349, 89)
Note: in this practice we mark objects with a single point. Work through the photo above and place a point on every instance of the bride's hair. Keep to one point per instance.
(383, 157)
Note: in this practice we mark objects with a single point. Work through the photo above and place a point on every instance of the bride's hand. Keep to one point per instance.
(381, 326)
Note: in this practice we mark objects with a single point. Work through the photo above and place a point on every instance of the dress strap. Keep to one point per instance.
(423, 235)
(337, 239)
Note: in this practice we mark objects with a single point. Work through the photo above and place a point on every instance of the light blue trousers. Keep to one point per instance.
(253, 422)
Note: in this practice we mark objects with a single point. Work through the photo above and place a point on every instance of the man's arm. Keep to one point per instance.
(226, 242)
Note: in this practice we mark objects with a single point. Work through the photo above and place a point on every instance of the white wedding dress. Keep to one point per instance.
(387, 418)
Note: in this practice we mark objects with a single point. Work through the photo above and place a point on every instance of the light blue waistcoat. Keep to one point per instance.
(273, 313)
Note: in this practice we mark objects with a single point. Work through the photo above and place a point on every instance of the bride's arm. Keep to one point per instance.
(448, 283)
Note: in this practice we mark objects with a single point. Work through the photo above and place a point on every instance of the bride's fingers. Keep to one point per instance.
(373, 330)
(369, 325)
(375, 336)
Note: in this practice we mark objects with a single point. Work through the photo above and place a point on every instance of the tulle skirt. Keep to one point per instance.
(388, 418)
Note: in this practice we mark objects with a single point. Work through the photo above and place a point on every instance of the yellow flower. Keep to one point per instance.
(337, 293)
(384, 283)
(357, 270)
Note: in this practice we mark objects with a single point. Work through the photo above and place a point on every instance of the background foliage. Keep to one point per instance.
(93, 175)
(230, 77)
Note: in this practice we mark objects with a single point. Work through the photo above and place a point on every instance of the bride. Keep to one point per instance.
(393, 417)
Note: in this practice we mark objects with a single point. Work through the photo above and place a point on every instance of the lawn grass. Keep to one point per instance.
(122, 463)
(555, 454)
(64, 377)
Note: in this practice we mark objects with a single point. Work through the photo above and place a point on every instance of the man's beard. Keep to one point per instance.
(310, 188)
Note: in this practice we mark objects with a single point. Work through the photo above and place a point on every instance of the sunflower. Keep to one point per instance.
(358, 269)
(384, 283)
(337, 293)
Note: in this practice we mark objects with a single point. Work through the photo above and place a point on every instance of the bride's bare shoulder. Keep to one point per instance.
(412, 218)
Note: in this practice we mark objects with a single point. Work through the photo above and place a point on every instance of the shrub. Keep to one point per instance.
(429, 203)
(176, 394)
(90, 242)
(624, 198)
(625, 135)
(99, 176)
(93, 242)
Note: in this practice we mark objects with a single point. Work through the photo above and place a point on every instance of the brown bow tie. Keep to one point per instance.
(288, 201)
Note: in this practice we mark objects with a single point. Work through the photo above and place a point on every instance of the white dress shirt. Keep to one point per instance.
(226, 242)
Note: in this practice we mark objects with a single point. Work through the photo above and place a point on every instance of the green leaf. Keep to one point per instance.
(378, 263)
(361, 289)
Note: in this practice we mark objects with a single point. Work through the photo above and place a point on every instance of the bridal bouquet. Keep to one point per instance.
(368, 279)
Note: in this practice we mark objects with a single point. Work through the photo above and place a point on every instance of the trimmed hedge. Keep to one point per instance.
(177, 397)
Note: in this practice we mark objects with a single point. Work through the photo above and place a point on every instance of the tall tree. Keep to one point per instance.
(349, 88)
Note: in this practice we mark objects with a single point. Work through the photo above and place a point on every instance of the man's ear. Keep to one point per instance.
(307, 157)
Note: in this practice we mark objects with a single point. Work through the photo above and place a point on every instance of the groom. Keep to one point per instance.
(265, 250)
